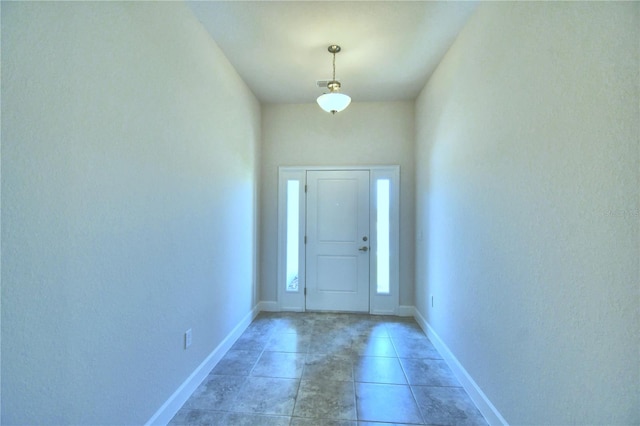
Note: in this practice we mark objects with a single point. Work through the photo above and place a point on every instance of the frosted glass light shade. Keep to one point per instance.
(334, 102)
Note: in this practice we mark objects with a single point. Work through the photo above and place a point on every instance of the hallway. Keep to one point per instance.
(317, 369)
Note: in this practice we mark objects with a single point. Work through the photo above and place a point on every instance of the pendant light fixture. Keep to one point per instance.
(334, 101)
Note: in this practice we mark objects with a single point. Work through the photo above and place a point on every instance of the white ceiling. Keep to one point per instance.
(279, 48)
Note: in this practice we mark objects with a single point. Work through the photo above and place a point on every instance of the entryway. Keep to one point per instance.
(338, 239)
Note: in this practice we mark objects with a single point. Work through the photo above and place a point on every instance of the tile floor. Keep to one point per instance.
(321, 369)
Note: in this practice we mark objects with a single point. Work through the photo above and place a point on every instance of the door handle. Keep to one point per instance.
(364, 248)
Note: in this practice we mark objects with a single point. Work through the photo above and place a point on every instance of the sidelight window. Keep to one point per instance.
(293, 234)
(382, 234)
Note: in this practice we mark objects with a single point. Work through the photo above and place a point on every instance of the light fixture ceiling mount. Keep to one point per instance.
(334, 101)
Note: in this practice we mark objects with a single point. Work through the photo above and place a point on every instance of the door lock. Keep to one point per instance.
(364, 248)
(364, 238)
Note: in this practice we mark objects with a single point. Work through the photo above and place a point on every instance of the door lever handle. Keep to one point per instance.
(364, 248)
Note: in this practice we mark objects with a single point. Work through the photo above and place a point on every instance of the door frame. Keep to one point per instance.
(379, 303)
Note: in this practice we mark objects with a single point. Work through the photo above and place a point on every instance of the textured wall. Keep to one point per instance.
(129, 158)
(527, 192)
(363, 134)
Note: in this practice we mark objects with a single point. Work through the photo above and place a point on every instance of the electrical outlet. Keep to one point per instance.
(187, 338)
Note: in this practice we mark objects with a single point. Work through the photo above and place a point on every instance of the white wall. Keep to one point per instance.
(363, 134)
(527, 188)
(129, 158)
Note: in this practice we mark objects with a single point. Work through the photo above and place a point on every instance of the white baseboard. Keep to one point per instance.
(391, 313)
(180, 396)
(285, 309)
(488, 410)
(405, 311)
(268, 306)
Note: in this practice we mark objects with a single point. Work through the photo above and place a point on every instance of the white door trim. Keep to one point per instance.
(386, 304)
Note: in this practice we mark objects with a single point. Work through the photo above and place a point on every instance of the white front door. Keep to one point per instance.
(337, 249)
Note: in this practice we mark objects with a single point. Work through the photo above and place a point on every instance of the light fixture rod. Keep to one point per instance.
(334, 66)
(333, 85)
(333, 49)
